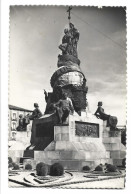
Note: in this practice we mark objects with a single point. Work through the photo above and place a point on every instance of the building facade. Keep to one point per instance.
(13, 120)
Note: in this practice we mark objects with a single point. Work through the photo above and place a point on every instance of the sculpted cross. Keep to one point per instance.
(69, 10)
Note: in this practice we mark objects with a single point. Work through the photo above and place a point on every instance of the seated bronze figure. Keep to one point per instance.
(111, 120)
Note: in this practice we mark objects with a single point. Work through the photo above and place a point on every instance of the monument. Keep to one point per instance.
(67, 133)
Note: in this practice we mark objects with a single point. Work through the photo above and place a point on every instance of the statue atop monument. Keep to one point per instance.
(68, 78)
(70, 39)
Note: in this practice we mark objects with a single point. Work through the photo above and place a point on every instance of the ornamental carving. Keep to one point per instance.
(63, 70)
(84, 129)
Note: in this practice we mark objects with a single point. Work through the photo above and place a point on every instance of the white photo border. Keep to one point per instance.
(4, 87)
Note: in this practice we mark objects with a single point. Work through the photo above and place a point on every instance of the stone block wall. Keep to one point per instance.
(112, 143)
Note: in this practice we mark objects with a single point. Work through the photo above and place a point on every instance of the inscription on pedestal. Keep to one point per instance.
(86, 129)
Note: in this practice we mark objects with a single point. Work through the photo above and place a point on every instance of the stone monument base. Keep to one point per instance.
(80, 141)
(83, 140)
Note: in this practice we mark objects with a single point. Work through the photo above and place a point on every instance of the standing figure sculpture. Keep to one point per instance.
(69, 41)
(111, 120)
(63, 108)
(74, 33)
(66, 43)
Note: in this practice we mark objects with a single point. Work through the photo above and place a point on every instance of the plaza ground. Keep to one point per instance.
(77, 181)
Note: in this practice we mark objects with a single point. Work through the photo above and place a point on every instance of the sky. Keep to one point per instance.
(35, 34)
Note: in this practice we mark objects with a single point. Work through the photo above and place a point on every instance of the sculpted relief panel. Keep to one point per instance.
(84, 129)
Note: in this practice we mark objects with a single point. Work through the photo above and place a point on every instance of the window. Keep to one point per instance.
(13, 126)
(14, 116)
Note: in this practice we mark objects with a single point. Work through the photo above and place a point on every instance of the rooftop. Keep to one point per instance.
(12, 107)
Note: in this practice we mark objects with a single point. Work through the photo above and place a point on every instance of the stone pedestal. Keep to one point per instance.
(76, 144)
(82, 140)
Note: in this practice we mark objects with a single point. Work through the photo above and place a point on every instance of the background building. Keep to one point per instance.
(13, 116)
